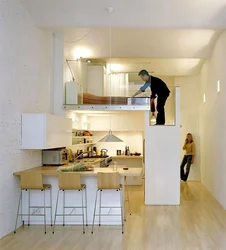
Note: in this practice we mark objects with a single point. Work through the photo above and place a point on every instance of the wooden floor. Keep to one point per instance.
(199, 223)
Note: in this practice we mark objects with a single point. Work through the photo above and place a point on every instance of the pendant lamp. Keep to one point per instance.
(110, 137)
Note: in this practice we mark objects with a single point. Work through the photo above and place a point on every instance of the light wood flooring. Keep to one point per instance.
(198, 223)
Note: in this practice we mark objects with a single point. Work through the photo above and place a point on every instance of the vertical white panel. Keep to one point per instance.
(162, 161)
(58, 131)
(33, 131)
(58, 74)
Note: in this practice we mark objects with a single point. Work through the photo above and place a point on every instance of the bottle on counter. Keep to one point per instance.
(127, 151)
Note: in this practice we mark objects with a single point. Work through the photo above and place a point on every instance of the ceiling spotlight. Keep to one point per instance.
(110, 9)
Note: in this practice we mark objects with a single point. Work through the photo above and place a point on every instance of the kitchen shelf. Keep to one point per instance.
(79, 137)
(82, 144)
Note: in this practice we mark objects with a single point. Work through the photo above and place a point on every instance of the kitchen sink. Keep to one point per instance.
(88, 160)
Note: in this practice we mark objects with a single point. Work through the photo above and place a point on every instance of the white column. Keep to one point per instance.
(58, 74)
(162, 160)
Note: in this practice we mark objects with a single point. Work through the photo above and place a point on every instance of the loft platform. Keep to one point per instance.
(105, 107)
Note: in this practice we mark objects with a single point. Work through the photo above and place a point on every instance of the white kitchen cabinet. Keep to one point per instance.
(43, 131)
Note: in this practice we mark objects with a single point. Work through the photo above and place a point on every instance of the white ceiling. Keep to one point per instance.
(169, 37)
(141, 43)
(170, 52)
(128, 13)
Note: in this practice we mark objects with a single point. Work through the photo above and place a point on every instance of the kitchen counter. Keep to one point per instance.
(131, 162)
(89, 178)
(52, 171)
(127, 156)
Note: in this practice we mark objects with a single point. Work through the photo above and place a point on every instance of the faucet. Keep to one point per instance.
(78, 156)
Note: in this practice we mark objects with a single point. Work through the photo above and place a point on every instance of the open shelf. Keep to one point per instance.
(82, 144)
(80, 137)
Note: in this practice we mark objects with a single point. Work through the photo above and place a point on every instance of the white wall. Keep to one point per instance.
(132, 139)
(213, 123)
(190, 115)
(25, 73)
(117, 121)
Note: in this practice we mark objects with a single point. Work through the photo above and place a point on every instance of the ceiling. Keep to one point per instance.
(167, 37)
(171, 52)
(128, 13)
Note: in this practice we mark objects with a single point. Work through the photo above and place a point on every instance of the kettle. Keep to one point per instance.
(103, 152)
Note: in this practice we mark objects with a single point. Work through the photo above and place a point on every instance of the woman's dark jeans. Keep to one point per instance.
(186, 160)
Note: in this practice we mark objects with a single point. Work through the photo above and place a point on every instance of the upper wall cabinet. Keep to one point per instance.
(43, 131)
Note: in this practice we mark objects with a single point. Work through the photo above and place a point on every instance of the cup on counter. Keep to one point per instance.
(115, 166)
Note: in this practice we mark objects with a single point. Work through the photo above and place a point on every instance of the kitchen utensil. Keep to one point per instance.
(103, 152)
(118, 152)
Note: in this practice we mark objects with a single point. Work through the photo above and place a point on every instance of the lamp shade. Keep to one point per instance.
(110, 138)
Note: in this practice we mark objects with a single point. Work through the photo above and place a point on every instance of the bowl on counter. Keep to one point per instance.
(137, 154)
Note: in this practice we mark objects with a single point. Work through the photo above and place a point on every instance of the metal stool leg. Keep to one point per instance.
(29, 204)
(63, 207)
(83, 221)
(56, 211)
(86, 206)
(94, 214)
(127, 192)
(44, 210)
(18, 209)
(51, 206)
(121, 202)
(21, 209)
(100, 209)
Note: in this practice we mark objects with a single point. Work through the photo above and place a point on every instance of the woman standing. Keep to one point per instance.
(188, 159)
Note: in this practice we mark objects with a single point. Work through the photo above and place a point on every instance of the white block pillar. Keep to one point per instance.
(162, 160)
(58, 74)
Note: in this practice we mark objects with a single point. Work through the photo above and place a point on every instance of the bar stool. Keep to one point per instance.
(33, 181)
(71, 181)
(106, 181)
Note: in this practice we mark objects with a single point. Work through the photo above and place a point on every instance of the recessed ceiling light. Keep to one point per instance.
(109, 9)
(204, 97)
(218, 86)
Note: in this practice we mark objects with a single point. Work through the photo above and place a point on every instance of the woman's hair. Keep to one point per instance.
(191, 137)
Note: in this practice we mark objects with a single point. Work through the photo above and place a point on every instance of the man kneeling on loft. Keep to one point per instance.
(158, 89)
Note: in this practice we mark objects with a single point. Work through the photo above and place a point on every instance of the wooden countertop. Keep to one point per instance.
(52, 171)
(127, 156)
